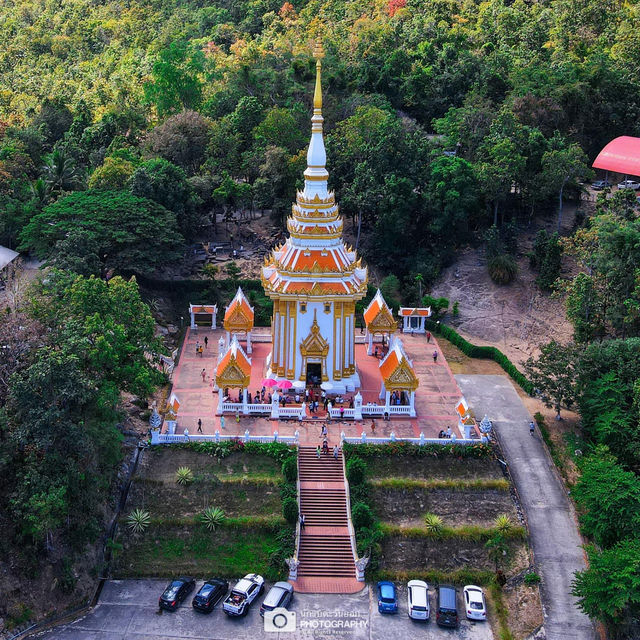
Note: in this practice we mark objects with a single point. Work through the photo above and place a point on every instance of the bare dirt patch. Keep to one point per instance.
(407, 507)
(406, 554)
(432, 468)
(525, 609)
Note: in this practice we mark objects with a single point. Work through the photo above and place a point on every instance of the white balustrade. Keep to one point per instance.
(365, 439)
(165, 438)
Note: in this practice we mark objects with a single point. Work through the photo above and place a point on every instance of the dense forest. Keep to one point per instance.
(127, 126)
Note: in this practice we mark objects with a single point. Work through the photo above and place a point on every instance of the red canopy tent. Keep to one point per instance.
(621, 155)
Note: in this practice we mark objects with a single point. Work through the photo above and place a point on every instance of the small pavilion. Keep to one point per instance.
(238, 318)
(399, 381)
(414, 318)
(196, 311)
(379, 321)
(233, 372)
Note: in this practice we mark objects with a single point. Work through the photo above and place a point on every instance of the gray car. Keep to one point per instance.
(280, 595)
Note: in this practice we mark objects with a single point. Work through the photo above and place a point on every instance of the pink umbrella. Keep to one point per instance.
(285, 384)
(269, 382)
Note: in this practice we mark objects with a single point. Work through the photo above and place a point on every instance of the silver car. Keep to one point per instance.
(280, 595)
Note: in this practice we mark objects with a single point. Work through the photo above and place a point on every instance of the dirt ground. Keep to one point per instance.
(407, 507)
(445, 468)
(525, 609)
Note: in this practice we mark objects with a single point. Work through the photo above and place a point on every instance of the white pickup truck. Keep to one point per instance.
(243, 594)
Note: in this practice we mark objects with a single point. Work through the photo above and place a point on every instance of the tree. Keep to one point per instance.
(546, 258)
(176, 84)
(608, 498)
(562, 166)
(553, 375)
(584, 308)
(609, 589)
(60, 172)
(181, 139)
(130, 233)
(114, 173)
(165, 183)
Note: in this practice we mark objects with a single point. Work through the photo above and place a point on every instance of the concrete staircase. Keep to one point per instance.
(325, 553)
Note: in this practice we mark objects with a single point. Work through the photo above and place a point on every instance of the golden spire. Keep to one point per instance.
(318, 54)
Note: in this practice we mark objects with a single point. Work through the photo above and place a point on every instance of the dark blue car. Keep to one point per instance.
(387, 600)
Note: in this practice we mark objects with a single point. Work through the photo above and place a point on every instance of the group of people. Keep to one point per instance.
(445, 434)
(200, 348)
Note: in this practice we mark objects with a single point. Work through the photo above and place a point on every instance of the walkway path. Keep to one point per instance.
(554, 534)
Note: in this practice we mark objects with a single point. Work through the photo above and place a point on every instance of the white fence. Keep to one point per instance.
(346, 413)
(291, 412)
(167, 438)
(364, 439)
(373, 410)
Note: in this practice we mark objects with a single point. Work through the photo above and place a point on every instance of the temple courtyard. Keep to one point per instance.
(435, 399)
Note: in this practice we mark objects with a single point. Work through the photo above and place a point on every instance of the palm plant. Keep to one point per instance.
(138, 520)
(184, 476)
(212, 517)
(60, 172)
(503, 523)
(433, 523)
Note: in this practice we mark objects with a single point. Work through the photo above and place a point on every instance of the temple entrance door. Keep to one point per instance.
(314, 373)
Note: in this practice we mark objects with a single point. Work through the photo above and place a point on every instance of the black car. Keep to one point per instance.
(447, 611)
(598, 185)
(211, 592)
(176, 591)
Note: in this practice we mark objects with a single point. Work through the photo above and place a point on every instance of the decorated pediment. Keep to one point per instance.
(403, 378)
(383, 322)
(239, 314)
(234, 370)
(314, 345)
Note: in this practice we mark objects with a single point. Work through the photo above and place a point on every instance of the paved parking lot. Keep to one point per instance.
(128, 610)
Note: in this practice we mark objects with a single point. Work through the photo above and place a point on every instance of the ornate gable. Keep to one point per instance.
(314, 345)
(402, 377)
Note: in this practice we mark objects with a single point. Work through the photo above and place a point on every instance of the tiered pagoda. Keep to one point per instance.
(315, 280)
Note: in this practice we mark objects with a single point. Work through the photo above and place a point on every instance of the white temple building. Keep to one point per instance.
(315, 280)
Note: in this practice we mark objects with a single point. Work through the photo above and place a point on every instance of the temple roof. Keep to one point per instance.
(397, 370)
(378, 316)
(415, 311)
(234, 370)
(314, 260)
(239, 314)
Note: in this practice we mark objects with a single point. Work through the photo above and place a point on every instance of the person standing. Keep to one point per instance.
(199, 425)
(222, 422)
(335, 452)
(203, 373)
(532, 427)
(186, 434)
(323, 433)
(428, 336)
(318, 452)
(301, 519)
(325, 446)
(197, 347)
(449, 433)
(206, 342)
(435, 356)
(373, 425)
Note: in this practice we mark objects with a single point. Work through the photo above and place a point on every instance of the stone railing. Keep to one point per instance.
(364, 439)
(289, 412)
(373, 410)
(346, 413)
(167, 438)
(398, 409)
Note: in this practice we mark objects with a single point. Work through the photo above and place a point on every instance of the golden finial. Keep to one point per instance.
(318, 54)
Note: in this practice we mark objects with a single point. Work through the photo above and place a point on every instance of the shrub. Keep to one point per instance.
(455, 310)
(502, 269)
(361, 515)
(356, 471)
(433, 523)
(503, 523)
(212, 517)
(138, 520)
(290, 469)
(531, 578)
(184, 476)
(290, 510)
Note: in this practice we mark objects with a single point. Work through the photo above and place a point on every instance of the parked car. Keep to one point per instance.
(237, 603)
(210, 593)
(418, 600)
(177, 590)
(629, 184)
(598, 185)
(447, 611)
(387, 598)
(474, 603)
(280, 595)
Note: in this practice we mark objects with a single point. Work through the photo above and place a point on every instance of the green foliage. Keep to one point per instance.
(433, 523)
(126, 233)
(361, 515)
(455, 310)
(212, 517)
(438, 306)
(531, 578)
(546, 258)
(184, 476)
(609, 590)
(356, 471)
(503, 524)
(138, 520)
(608, 498)
(498, 549)
(290, 510)
(114, 173)
(290, 469)
(503, 269)
(277, 450)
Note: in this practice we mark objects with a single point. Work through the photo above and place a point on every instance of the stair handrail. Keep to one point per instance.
(298, 530)
(352, 532)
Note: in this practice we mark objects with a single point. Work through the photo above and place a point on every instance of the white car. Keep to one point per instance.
(418, 600)
(629, 184)
(243, 594)
(474, 603)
